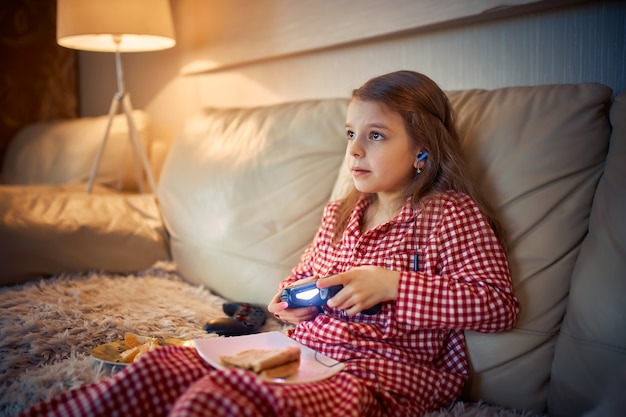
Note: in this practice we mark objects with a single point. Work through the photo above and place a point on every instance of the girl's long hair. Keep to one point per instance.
(428, 118)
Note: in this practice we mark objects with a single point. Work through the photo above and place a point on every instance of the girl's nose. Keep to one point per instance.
(355, 149)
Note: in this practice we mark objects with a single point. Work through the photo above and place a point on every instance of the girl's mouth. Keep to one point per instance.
(359, 171)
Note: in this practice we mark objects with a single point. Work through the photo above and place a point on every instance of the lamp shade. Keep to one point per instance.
(115, 25)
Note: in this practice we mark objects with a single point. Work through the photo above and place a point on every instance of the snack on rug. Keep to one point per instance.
(269, 363)
(137, 346)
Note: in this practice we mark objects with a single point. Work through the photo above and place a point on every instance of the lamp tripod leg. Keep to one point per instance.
(112, 110)
(137, 146)
(133, 140)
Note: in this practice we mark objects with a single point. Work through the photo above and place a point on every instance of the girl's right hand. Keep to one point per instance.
(282, 312)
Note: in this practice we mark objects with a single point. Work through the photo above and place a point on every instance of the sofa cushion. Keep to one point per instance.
(242, 192)
(537, 153)
(47, 230)
(591, 350)
(64, 152)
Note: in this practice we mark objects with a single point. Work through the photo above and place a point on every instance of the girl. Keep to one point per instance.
(412, 237)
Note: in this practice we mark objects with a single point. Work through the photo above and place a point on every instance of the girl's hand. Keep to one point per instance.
(290, 315)
(363, 287)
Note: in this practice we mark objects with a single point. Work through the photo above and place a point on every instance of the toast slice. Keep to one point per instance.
(271, 363)
(281, 371)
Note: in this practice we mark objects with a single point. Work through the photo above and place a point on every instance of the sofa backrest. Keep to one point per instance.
(538, 153)
(242, 192)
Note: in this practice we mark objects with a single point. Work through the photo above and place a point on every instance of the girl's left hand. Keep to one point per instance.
(363, 287)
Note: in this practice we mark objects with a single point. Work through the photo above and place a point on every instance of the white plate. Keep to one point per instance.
(312, 367)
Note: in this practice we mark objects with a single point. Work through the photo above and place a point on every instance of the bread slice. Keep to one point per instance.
(281, 371)
(261, 361)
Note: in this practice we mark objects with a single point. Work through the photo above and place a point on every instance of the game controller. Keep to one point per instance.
(306, 295)
(243, 318)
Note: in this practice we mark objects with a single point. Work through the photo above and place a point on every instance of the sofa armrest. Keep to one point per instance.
(48, 230)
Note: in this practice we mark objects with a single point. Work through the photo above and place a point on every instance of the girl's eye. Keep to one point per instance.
(376, 136)
(350, 134)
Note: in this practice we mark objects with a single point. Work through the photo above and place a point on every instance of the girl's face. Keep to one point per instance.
(380, 152)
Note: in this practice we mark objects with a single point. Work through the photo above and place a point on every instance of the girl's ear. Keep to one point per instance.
(419, 161)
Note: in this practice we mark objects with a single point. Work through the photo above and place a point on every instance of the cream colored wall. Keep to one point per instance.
(575, 43)
(220, 33)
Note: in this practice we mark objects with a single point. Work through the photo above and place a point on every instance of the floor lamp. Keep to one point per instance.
(117, 26)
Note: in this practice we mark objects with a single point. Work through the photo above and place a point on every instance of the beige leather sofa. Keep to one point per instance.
(242, 190)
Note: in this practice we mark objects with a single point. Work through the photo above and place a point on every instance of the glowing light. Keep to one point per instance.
(308, 294)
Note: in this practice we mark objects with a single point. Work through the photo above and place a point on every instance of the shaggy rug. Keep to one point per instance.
(48, 328)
